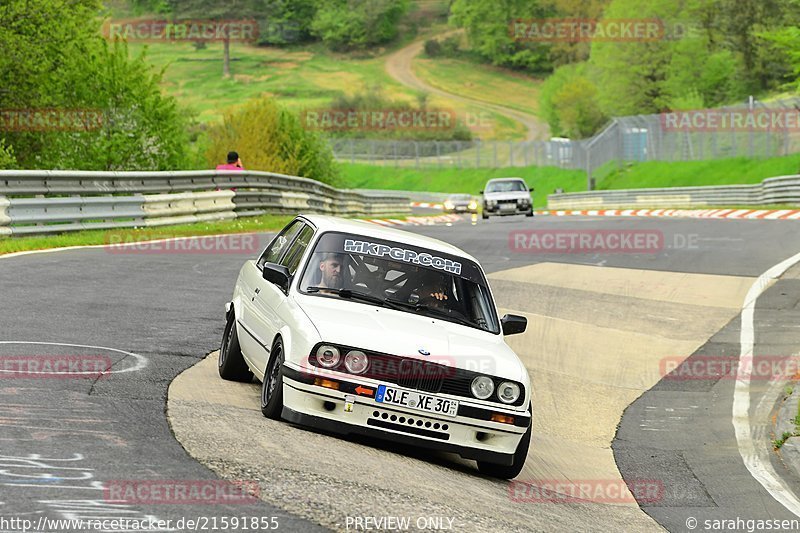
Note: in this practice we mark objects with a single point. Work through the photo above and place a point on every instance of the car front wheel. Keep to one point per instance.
(509, 471)
(272, 385)
(231, 364)
(529, 213)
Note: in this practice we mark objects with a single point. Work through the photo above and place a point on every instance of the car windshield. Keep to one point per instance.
(459, 197)
(402, 277)
(506, 186)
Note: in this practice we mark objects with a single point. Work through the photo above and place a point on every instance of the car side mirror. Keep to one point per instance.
(277, 274)
(513, 324)
(531, 189)
(480, 192)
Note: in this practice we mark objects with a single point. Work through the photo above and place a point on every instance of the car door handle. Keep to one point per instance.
(258, 289)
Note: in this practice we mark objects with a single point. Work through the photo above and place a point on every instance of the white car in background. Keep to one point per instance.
(358, 329)
(507, 196)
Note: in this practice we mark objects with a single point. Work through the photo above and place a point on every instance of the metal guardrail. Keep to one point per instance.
(54, 201)
(778, 190)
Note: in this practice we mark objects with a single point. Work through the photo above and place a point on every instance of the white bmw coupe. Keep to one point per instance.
(354, 328)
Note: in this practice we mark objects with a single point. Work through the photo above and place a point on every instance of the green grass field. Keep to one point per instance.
(471, 181)
(481, 82)
(307, 77)
(546, 179)
(693, 173)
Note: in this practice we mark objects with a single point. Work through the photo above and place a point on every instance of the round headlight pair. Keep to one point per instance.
(355, 361)
(483, 387)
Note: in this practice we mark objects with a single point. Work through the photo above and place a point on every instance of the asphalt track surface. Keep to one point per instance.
(155, 315)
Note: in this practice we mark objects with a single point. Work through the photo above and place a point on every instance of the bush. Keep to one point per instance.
(344, 25)
(272, 139)
(373, 99)
(433, 48)
(569, 102)
(7, 160)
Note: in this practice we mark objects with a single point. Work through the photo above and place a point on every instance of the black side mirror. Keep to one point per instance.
(531, 189)
(480, 192)
(513, 324)
(277, 274)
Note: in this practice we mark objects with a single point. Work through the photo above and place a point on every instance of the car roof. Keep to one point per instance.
(362, 227)
(506, 179)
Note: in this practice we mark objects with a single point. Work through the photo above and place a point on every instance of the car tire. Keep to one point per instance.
(272, 384)
(529, 213)
(231, 364)
(509, 471)
(485, 215)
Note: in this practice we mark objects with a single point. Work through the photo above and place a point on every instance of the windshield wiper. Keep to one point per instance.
(348, 293)
(431, 310)
(392, 303)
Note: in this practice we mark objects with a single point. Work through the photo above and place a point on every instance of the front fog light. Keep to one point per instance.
(356, 362)
(508, 392)
(328, 356)
(482, 387)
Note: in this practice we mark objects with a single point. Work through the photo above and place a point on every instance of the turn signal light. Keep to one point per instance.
(503, 419)
(327, 383)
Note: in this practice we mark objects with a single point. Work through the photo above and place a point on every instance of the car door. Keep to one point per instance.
(252, 337)
(266, 304)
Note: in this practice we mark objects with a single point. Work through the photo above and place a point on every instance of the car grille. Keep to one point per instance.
(421, 375)
(408, 372)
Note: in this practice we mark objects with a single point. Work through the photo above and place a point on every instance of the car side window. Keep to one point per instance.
(292, 258)
(275, 250)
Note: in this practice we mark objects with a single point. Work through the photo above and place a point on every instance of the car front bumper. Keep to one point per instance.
(466, 434)
(507, 209)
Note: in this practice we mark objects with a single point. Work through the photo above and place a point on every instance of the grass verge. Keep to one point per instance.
(649, 174)
(468, 180)
(95, 237)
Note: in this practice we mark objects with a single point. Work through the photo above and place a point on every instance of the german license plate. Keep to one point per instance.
(416, 400)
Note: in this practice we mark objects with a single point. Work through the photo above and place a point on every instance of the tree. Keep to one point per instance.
(353, 24)
(569, 102)
(218, 11)
(55, 55)
(270, 138)
(487, 23)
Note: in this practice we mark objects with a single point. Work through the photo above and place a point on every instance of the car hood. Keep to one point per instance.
(404, 334)
(513, 195)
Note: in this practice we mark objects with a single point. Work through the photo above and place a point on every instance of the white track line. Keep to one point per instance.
(757, 461)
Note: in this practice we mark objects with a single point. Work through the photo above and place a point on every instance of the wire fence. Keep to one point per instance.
(752, 130)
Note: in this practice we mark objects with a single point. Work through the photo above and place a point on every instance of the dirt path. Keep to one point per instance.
(398, 65)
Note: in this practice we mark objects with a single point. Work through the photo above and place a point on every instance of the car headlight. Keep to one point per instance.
(482, 387)
(448, 205)
(491, 203)
(473, 205)
(524, 201)
(356, 362)
(328, 356)
(508, 392)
